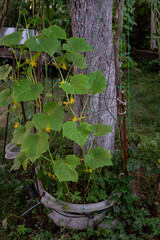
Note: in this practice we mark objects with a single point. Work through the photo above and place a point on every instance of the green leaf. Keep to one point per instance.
(21, 132)
(5, 71)
(98, 157)
(75, 45)
(11, 39)
(77, 59)
(24, 12)
(21, 159)
(68, 88)
(64, 169)
(43, 44)
(80, 83)
(40, 121)
(97, 82)
(25, 90)
(55, 113)
(5, 97)
(34, 145)
(52, 117)
(100, 129)
(55, 31)
(79, 135)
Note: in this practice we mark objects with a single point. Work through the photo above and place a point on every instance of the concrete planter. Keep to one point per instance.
(75, 216)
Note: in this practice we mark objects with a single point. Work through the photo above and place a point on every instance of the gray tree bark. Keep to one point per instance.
(92, 20)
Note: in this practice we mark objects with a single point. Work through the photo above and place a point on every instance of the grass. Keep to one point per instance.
(145, 99)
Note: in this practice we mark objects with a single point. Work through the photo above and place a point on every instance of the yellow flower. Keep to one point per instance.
(53, 176)
(61, 83)
(90, 170)
(81, 159)
(16, 103)
(49, 174)
(55, 64)
(74, 119)
(158, 161)
(10, 77)
(72, 100)
(34, 82)
(48, 129)
(82, 117)
(16, 125)
(33, 63)
(64, 66)
(65, 103)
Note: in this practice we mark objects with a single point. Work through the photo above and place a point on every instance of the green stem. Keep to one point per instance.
(84, 105)
(46, 158)
(91, 144)
(67, 187)
(58, 69)
(69, 72)
(51, 156)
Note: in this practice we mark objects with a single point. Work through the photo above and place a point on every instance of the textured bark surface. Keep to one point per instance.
(3, 14)
(92, 20)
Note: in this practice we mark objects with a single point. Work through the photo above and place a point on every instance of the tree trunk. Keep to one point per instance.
(3, 14)
(92, 20)
(153, 30)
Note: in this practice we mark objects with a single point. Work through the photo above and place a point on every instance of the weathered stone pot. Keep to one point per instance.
(75, 216)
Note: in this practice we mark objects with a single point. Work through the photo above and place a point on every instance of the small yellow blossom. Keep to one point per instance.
(61, 83)
(20, 117)
(64, 66)
(55, 64)
(53, 176)
(82, 117)
(49, 174)
(34, 82)
(81, 159)
(48, 129)
(16, 125)
(90, 170)
(33, 63)
(72, 100)
(65, 103)
(16, 103)
(158, 161)
(11, 77)
(74, 119)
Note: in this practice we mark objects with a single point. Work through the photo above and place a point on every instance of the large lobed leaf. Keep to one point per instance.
(77, 59)
(11, 39)
(5, 97)
(21, 132)
(64, 169)
(43, 44)
(98, 157)
(25, 90)
(34, 145)
(21, 159)
(75, 45)
(100, 129)
(52, 117)
(79, 135)
(55, 31)
(79, 85)
(97, 82)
